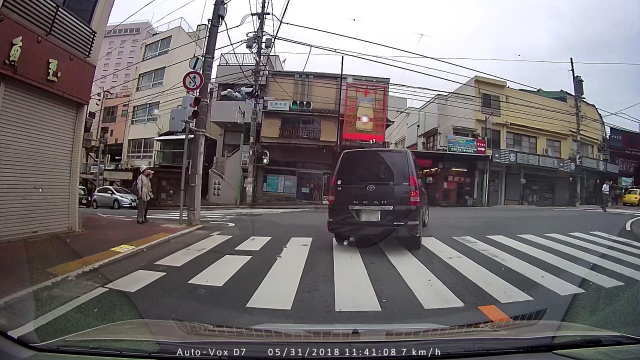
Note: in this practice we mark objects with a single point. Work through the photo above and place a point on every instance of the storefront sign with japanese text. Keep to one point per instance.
(467, 145)
(365, 112)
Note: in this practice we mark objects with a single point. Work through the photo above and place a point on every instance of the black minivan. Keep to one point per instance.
(376, 194)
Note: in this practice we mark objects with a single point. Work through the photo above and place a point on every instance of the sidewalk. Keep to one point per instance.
(28, 262)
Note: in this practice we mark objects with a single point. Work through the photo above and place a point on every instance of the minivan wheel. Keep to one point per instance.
(116, 204)
(340, 238)
(94, 204)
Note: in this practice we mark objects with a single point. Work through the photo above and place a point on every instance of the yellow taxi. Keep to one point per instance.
(631, 197)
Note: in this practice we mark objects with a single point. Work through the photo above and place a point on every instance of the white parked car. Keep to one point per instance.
(114, 197)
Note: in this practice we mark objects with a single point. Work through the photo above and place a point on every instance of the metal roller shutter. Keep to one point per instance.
(36, 142)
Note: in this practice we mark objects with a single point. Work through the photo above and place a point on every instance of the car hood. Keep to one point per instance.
(180, 331)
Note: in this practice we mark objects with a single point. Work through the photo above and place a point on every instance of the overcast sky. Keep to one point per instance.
(588, 31)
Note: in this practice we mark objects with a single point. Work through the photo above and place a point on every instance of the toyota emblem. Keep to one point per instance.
(371, 187)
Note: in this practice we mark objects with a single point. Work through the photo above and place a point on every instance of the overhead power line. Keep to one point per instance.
(482, 59)
(425, 56)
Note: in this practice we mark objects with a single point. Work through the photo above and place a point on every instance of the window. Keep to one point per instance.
(490, 104)
(111, 133)
(520, 142)
(127, 76)
(493, 141)
(114, 76)
(145, 112)
(157, 48)
(82, 9)
(117, 65)
(150, 79)
(383, 167)
(111, 43)
(585, 149)
(105, 66)
(132, 52)
(431, 142)
(129, 63)
(275, 183)
(125, 113)
(464, 133)
(141, 148)
(120, 31)
(135, 41)
(109, 115)
(122, 42)
(109, 53)
(553, 148)
(120, 53)
(137, 30)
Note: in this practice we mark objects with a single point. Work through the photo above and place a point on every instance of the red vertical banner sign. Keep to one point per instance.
(365, 112)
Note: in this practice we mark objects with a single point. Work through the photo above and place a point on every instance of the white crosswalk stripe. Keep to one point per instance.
(607, 242)
(584, 255)
(254, 243)
(617, 238)
(181, 257)
(279, 287)
(558, 261)
(489, 282)
(221, 271)
(541, 277)
(597, 248)
(353, 289)
(429, 290)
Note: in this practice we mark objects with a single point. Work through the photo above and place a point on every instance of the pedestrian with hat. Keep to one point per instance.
(144, 193)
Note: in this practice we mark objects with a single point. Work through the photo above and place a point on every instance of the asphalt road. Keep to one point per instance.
(276, 267)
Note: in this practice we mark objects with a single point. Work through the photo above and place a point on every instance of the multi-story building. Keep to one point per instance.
(49, 60)
(157, 89)
(538, 154)
(231, 108)
(624, 151)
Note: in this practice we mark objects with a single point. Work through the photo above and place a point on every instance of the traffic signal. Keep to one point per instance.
(299, 105)
(264, 157)
(194, 104)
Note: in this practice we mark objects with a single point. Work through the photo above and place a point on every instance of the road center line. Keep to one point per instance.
(488, 281)
(41, 320)
(353, 289)
(279, 287)
(543, 278)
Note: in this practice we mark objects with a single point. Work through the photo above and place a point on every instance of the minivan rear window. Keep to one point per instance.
(373, 167)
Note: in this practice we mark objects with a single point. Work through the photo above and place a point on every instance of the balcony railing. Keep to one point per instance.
(169, 157)
(56, 21)
(517, 157)
(300, 133)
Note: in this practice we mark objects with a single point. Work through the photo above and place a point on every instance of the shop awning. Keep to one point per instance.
(171, 137)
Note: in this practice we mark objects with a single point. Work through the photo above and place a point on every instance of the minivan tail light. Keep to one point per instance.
(414, 191)
(331, 198)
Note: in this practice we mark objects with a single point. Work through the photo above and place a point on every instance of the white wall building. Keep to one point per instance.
(157, 89)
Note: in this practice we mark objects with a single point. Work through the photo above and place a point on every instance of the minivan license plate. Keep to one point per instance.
(369, 215)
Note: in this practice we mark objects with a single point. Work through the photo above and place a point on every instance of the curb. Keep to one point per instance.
(634, 228)
(96, 265)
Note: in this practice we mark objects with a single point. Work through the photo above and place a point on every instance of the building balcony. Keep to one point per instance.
(300, 133)
(232, 112)
(506, 156)
(169, 157)
(54, 20)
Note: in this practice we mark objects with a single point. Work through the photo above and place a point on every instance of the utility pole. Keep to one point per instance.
(488, 134)
(99, 136)
(201, 123)
(257, 75)
(577, 97)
